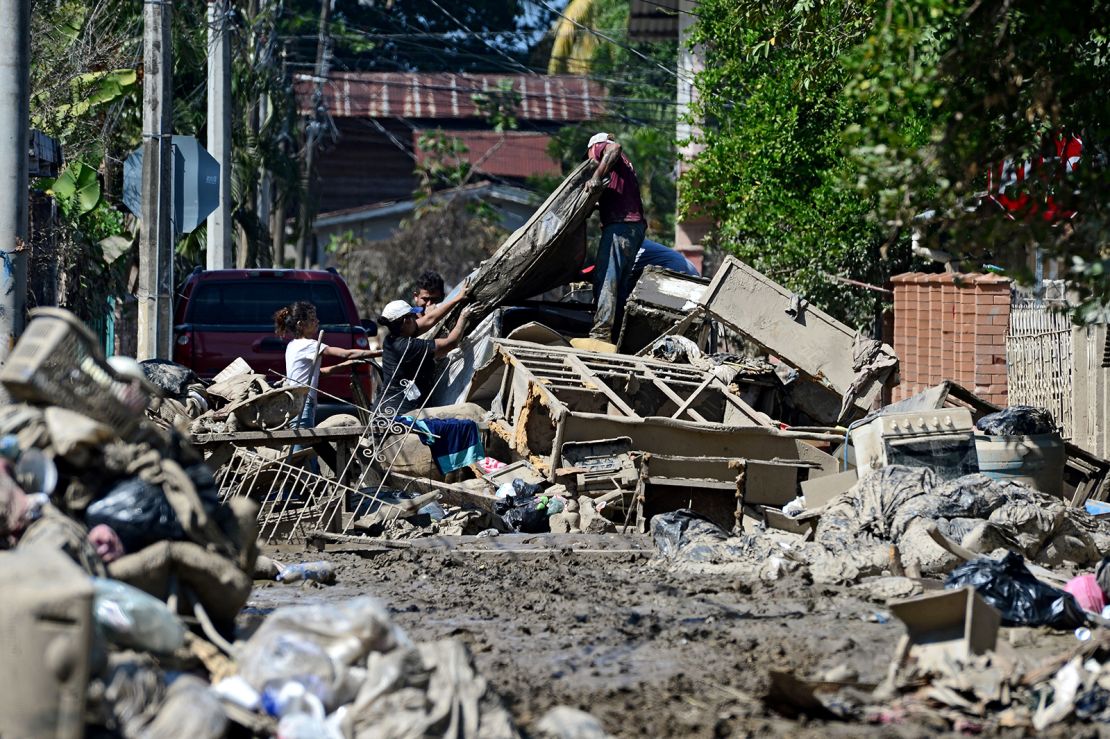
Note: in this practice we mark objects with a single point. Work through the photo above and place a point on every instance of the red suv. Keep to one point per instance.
(228, 313)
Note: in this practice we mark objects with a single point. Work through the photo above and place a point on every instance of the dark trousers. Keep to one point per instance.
(613, 276)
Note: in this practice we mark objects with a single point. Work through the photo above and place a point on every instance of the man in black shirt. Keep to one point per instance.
(408, 362)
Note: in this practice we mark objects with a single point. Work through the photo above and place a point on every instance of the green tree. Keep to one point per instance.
(573, 45)
(951, 88)
(772, 175)
(833, 128)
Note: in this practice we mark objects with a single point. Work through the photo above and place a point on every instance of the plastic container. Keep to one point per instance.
(132, 619)
(1036, 461)
(322, 572)
(57, 361)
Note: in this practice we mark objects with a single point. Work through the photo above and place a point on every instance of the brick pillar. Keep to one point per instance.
(951, 327)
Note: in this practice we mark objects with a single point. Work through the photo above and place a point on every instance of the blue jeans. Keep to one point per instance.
(613, 275)
(306, 420)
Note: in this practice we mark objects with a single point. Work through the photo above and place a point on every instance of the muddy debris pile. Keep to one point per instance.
(124, 570)
(736, 427)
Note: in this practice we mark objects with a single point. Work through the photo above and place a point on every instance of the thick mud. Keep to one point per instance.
(648, 651)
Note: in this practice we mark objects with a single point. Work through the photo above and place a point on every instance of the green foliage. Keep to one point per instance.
(951, 87)
(833, 126)
(499, 106)
(772, 174)
(444, 165)
(77, 189)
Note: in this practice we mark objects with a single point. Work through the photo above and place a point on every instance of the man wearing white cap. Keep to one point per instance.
(622, 233)
(408, 363)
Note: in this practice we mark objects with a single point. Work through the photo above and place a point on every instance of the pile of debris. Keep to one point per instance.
(124, 573)
(737, 425)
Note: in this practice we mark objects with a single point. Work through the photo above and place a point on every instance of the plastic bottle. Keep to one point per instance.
(286, 697)
(321, 571)
(130, 618)
(305, 726)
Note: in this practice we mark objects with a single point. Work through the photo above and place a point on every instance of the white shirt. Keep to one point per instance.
(299, 356)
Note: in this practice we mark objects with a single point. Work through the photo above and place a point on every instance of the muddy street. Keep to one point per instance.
(647, 651)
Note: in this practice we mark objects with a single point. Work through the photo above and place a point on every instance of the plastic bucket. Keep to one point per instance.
(1037, 461)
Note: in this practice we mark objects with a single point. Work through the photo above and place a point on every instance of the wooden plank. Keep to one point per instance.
(450, 494)
(280, 438)
(672, 394)
(693, 396)
(577, 363)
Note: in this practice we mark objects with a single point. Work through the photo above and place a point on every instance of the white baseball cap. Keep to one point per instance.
(597, 138)
(397, 309)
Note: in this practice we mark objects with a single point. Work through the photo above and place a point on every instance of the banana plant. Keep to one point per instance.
(77, 189)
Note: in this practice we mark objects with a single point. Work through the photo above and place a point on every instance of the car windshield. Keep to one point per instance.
(254, 302)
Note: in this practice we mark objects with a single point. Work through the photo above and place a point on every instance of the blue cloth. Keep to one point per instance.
(654, 254)
(613, 275)
(455, 442)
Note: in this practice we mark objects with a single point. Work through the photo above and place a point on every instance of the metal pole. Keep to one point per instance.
(219, 133)
(156, 242)
(313, 133)
(15, 66)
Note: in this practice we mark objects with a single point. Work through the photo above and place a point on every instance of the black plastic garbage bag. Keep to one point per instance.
(1023, 600)
(141, 514)
(171, 378)
(526, 514)
(1017, 420)
(138, 512)
(522, 488)
(673, 531)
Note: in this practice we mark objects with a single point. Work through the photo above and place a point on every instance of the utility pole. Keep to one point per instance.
(277, 216)
(313, 132)
(156, 242)
(15, 70)
(219, 132)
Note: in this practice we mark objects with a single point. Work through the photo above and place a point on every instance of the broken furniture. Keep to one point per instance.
(544, 253)
(822, 349)
(719, 488)
(1086, 477)
(943, 441)
(547, 399)
(951, 625)
(605, 464)
(58, 361)
(218, 448)
(660, 301)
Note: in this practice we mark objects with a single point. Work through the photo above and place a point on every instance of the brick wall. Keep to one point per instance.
(951, 327)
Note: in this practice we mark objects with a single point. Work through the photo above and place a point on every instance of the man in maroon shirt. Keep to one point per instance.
(622, 233)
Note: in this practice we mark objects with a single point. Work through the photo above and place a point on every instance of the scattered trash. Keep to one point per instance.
(524, 512)
(321, 572)
(1087, 593)
(1022, 599)
(1017, 420)
(130, 618)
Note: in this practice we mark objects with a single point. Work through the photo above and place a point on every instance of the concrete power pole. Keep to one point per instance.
(314, 131)
(219, 132)
(156, 242)
(15, 67)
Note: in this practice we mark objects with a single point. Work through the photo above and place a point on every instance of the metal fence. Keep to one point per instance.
(1039, 359)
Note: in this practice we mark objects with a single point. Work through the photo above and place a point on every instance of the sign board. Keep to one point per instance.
(196, 183)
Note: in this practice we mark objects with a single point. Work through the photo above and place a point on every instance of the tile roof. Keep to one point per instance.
(510, 154)
(561, 98)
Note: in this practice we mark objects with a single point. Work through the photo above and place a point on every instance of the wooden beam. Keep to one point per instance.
(448, 493)
(577, 363)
